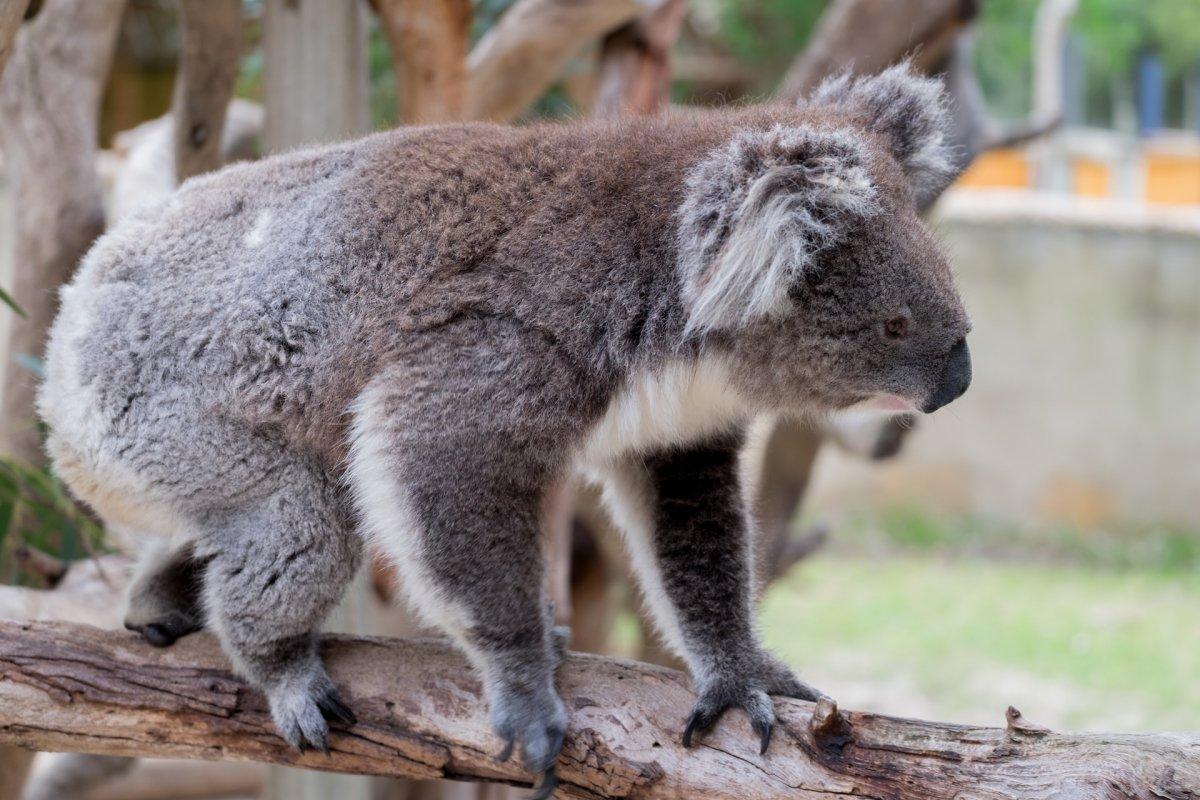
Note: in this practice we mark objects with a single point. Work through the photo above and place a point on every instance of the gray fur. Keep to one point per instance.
(408, 338)
(911, 112)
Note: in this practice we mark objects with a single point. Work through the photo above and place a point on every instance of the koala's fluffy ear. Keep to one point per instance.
(756, 213)
(910, 111)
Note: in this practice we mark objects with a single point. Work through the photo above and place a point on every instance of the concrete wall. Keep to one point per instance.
(1085, 406)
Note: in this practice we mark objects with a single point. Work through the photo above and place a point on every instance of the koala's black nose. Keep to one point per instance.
(956, 377)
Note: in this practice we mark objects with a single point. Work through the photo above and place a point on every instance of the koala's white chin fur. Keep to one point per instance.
(681, 402)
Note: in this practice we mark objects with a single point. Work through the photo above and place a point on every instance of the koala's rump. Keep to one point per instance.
(186, 332)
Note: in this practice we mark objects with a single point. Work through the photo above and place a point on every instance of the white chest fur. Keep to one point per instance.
(676, 404)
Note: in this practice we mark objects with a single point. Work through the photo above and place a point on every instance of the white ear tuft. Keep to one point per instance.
(757, 212)
(908, 109)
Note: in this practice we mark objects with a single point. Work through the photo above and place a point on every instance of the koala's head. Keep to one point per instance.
(803, 256)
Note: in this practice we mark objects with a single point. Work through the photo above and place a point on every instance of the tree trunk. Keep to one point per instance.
(314, 72)
(866, 36)
(11, 13)
(49, 106)
(428, 40)
(315, 90)
(527, 49)
(208, 69)
(635, 69)
(70, 687)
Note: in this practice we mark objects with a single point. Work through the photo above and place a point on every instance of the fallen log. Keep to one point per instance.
(75, 688)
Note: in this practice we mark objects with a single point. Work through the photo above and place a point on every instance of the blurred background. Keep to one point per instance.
(1036, 544)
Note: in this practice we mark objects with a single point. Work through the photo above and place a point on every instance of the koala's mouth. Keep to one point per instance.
(885, 403)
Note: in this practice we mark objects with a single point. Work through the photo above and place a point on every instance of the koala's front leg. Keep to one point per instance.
(689, 534)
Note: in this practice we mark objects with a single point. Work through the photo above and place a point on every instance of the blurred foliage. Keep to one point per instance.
(1004, 56)
(1111, 34)
(767, 34)
(7, 299)
(36, 510)
(1117, 31)
(383, 100)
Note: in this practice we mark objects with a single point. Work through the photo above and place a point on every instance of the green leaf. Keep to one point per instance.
(6, 298)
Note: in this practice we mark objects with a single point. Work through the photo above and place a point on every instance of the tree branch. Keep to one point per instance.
(70, 687)
(865, 36)
(208, 67)
(634, 72)
(428, 40)
(527, 49)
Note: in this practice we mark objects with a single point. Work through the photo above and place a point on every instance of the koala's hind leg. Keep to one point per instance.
(276, 567)
(456, 505)
(164, 595)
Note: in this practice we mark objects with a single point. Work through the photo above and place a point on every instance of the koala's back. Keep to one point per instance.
(256, 303)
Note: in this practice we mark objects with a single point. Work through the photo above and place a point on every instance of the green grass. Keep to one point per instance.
(960, 639)
(1122, 546)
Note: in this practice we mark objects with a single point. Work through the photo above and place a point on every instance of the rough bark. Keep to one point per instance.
(49, 105)
(865, 36)
(208, 68)
(634, 73)
(70, 687)
(527, 49)
(429, 41)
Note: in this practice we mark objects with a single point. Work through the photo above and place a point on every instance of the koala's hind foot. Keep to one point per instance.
(164, 596)
(749, 688)
(303, 699)
(278, 566)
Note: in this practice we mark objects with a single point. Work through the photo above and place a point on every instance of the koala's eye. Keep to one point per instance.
(896, 327)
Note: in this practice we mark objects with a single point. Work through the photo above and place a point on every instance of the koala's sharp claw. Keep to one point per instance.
(333, 708)
(698, 722)
(763, 728)
(545, 787)
(510, 744)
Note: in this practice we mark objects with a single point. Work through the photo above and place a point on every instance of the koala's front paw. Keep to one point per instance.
(781, 681)
(747, 687)
(301, 706)
(538, 720)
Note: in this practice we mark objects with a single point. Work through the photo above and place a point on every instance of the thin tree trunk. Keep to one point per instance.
(634, 74)
(208, 69)
(865, 36)
(70, 687)
(315, 90)
(49, 106)
(527, 49)
(429, 41)
(314, 72)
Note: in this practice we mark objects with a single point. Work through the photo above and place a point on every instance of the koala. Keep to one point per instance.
(409, 339)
